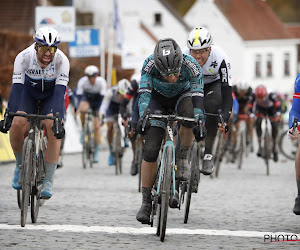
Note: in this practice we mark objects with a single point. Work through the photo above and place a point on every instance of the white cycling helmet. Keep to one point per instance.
(123, 86)
(91, 70)
(47, 36)
(242, 85)
(199, 38)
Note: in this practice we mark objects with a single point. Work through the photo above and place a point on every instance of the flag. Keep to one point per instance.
(119, 36)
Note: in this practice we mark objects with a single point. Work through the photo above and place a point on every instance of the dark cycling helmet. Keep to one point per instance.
(261, 91)
(167, 56)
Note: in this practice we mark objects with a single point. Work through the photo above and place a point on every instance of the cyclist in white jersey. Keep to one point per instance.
(41, 73)
(217, 86)
(90, 91)
(110, 108)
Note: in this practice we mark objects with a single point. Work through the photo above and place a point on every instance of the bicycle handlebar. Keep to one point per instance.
(295, 125)
(56, 119)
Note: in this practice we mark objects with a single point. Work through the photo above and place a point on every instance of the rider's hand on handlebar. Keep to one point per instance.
(196, 131)
(2, 129)
(60, 133)
(222, 129)
(140, 125)
(292, 136)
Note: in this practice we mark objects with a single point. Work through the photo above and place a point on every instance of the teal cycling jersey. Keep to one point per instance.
(190, 79)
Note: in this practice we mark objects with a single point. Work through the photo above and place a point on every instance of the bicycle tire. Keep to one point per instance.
(240, 152)
(91, 148)
(267, 150)
(19, 198)
(286, 147)
(26, 181)
(35, 202)
(138, 161)
(193, 178)
(165, 191)
(218, 154)
(117, 148)
(85, 147)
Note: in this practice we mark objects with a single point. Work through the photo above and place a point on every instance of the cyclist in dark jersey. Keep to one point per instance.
(169, 80)
(267, 104)
(131, 96)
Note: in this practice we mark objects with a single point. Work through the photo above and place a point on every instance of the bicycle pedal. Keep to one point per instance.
(44, 198)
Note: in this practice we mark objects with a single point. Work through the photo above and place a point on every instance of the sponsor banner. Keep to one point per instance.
(6, 152)
(60, 18)
(86, 43)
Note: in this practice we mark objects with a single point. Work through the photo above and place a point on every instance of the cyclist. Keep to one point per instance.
(90, 92)
(169, 80)
(217, 86)
(41, 73)
(244, 95)
(131, 94)
(110, 108)
(267, 104)
(295, 112)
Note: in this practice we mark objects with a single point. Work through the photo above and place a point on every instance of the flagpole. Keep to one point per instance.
(110, 51)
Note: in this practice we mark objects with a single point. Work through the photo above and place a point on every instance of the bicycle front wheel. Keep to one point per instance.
(287, 147)
(193, 181)
(267, 152)
(165, 190)
(85, 150)
(26, 181)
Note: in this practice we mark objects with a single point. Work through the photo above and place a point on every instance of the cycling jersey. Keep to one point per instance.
(92, 93)
(111, 102)
(217, 70)
(244, 100)
(32, 83)
(217, 66)
(190, 79)
(132, 93)
(295, 110)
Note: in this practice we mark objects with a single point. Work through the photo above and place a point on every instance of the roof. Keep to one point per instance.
(294, 29)
(253, 19)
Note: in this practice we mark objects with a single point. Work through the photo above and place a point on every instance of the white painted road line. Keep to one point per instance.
(144, 230)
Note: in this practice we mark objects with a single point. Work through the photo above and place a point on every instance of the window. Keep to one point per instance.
(286, 64)
(258, 66)
(269, 65)
(157, 19)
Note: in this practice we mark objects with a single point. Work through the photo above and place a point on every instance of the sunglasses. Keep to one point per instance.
(171, 74)
(44, 49)
(200, 52)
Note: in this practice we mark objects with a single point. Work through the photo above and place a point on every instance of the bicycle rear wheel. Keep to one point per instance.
(26, 181)
(138, 161)
(165, 190)
(19, 197)
(91, 149)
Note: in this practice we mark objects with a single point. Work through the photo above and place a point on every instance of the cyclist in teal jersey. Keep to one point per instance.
(170, 81)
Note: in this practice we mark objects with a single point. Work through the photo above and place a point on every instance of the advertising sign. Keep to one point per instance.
(60, 18)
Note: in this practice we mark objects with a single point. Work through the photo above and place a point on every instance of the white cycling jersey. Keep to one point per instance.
(84, 85)
(27, 70)
(111, 96)
(217, 66)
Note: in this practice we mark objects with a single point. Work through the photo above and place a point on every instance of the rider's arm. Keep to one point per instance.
(226, 88)
(105, 103)
(79, 90)
(194, 73)
(145, 86)
(103, 88)
(62, 79)
(18, 79)
(295, 110)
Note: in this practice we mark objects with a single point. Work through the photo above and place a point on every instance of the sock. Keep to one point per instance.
(18, 156)
(146, 192)
(49, 169)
